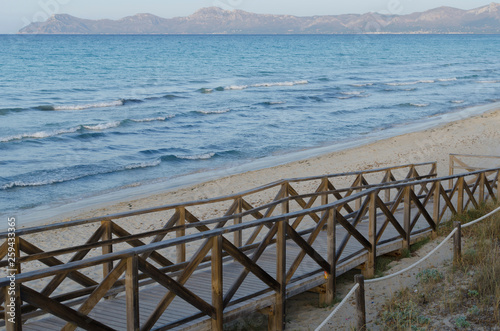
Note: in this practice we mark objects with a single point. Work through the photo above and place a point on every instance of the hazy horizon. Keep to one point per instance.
(17, 15)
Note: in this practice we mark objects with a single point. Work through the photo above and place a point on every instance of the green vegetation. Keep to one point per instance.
(467, 294)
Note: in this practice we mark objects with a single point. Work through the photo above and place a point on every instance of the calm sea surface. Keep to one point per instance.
(85, 115)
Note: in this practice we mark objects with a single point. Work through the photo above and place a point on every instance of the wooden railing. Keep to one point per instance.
(149, 258)
(424, 201)
(460, 163)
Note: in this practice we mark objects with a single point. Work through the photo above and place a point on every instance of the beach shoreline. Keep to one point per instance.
(470, 131)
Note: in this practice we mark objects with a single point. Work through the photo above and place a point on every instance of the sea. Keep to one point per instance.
(86, 119)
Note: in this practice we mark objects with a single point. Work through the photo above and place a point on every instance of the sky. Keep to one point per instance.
(15, 14)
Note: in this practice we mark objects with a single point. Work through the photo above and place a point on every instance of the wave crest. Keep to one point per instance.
(196, 157)
(207, 112)
(40, 134)
(103, 126)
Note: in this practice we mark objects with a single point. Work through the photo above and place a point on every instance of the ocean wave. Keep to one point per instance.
(236, 87)
(5, 111)
(34, 183)
(96, 127)
(207, 112)
(171, 96)
(428, 81)
(488, 81)
(103, 126)
(50, 181)
(153, 119)
(196, 157)
(447, 79)
(362, 84)
(289, 83)
(40, 134)
(457, 101)
(353, 93)
(411, 104)
(205, 90)
(116, 103)
(143, 165)
(127, 101)
(270, 103)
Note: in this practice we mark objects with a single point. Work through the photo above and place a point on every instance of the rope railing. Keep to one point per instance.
(351, 292)
(370, 281)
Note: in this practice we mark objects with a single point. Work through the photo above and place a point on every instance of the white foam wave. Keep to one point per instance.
(457, 101)
(419, 104)
(39, 183)
(290, 83)
(297, 82)
(447, 79)
(39, 135)
(236, 87)
(429, 81)
(143, 165)
(89, 106)
(196, 157)
(213, 111)
(362, 85)
(153, 119)
(353, 93)
(488, 81)
(102, 126)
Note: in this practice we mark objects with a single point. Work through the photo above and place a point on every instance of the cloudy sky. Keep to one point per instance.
(15, 14)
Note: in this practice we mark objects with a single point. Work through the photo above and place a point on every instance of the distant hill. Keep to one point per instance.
(214, 20)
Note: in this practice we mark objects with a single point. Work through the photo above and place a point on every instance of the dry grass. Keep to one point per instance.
(465, 296)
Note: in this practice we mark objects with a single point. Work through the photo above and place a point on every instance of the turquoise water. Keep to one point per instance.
(85, 115)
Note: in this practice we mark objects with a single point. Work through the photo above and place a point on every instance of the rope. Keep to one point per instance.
(481, 218)
(416, 263)
(405, 269)
(354, 288)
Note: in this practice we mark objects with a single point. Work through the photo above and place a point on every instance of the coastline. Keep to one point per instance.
(471, 131)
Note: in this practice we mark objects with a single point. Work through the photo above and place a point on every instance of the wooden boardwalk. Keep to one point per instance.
(112, 312)
(250, 259)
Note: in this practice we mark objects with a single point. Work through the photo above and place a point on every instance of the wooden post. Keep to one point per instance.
(498, 186)
(285, 206)
(181, 248)
(387, 193)
(324, 197)
(460, 198)
(407, 217)
(13, 302)
(132, 294)
(329, 296)
(280, 305)
(436, 197)
(482, 178)
(106, 249)
(369, 270)
(359, 182)
(457, 243)
(451, 170)
(238, 235)
(360, 302)
(217, 294)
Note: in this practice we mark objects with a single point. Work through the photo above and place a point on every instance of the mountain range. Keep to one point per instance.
(214, 20)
